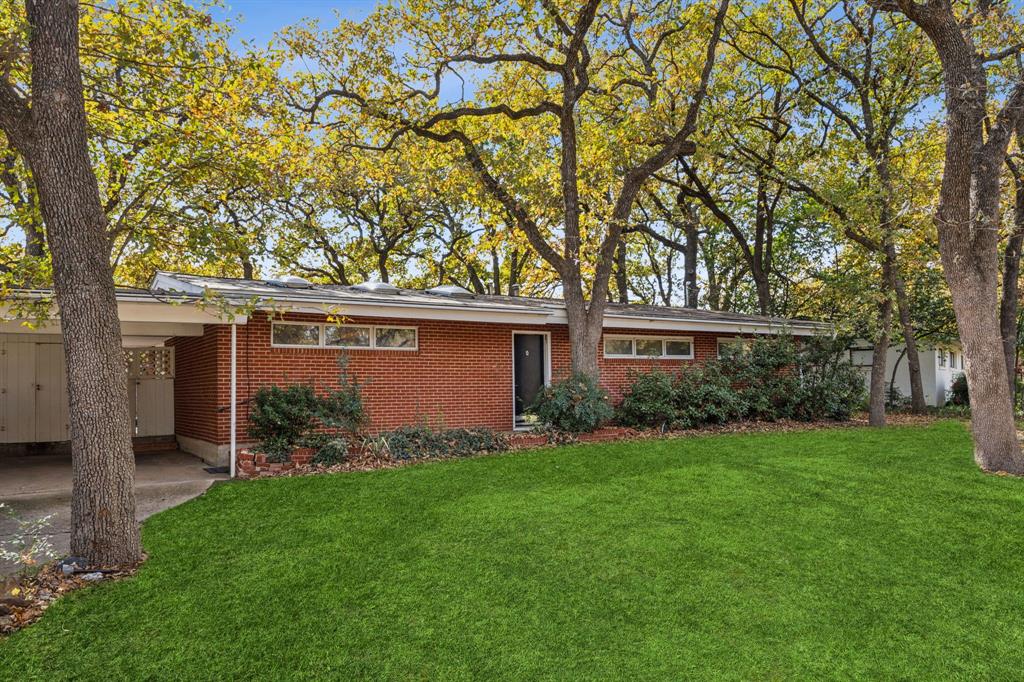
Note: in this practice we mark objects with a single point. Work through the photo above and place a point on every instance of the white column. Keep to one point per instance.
(234, 394)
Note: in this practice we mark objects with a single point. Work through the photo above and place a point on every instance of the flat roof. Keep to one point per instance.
(550, 310)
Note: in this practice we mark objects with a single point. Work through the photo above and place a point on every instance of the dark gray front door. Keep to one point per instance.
(528, 370)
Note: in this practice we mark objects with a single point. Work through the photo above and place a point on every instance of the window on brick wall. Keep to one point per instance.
(679, 348)
(347, 336)
(395, 337)
(312, 335)
(291, 334)
(736, 345)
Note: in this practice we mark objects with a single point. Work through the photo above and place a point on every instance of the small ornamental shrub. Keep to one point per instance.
(648, 401)
(830, 387)
(342, 408)
(280, 417)
(704, 395)
(334, 450)
(958, 394)
(423, 442)
(576, 404)
(28, 544)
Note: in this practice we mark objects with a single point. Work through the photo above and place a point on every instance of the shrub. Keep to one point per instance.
(333, 451)
(830, 387)
(280, 417)
(649, 400)
(576, 404)
(773, 379)
(342, 408)
(28, 544)
(704, 395)
(423, 442)
(958, 394)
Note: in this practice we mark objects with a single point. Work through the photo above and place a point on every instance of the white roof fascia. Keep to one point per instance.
(414, 312)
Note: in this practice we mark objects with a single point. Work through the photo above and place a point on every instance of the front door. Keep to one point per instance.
(527, 371)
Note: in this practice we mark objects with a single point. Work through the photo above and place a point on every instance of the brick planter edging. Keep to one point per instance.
(255, 463)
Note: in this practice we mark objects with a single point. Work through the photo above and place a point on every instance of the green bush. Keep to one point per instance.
(958, 394)
(704, 395)
(283, 418)
(649, 401)
(774, 378)
(576, 404)
(830, 387)
(342, 409)
(280, 417)
(423, 442)
(333, 451)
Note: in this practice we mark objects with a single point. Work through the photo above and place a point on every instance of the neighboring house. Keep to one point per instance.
(443, 356)
(939, 369)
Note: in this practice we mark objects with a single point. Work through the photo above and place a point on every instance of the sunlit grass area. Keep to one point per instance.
(842, 553)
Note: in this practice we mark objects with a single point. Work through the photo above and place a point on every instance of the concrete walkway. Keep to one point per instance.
(41, 485)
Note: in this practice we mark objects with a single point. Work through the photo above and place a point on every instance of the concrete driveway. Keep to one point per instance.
(36, 486)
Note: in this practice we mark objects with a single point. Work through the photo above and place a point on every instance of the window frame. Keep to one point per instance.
(322, 342)
(633, 338)
(367, 327)
(943, 361)
(297, 323)
(373, 337)
(744, 341)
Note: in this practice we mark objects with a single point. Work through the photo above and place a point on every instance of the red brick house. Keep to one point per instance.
(443, 355)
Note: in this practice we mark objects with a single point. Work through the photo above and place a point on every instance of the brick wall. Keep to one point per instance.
(460, 375)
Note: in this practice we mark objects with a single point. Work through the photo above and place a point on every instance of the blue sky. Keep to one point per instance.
(257, 20)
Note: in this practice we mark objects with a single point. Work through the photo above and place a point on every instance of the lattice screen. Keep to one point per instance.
(149, 363)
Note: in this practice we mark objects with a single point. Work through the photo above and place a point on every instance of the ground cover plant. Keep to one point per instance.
(842, 553)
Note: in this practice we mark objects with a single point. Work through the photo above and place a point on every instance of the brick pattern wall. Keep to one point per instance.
(460, 375)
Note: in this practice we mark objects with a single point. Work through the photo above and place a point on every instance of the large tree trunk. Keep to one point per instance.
(967, 221)
(103, 526)
(1009, 304)
(917, 402)
(690, 266)
(621, 276)
(876, 388)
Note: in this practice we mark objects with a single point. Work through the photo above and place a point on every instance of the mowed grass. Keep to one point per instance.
(845, 553)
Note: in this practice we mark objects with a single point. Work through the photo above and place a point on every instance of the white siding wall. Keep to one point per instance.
(936, 381)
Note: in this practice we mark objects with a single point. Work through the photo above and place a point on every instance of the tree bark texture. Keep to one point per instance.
(967, 221)
(54, 142)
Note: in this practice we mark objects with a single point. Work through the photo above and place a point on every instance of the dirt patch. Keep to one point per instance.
(25, 599)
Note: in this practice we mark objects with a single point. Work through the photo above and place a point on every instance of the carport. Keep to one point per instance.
(35, 462)
(33, 377)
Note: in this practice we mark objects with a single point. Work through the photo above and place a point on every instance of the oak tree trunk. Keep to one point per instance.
(917, 402)
(690, 266)
(876, 388)
(1009, 304)
(103, 525)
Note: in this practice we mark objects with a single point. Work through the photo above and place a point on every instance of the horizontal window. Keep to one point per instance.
(296, 334)
(312, 335)
(733, 346)
(346, 337)
(680, 348)
(395, 337)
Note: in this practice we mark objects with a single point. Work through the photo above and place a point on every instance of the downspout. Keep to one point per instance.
(234, 396)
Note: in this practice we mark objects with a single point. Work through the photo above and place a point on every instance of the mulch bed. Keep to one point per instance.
(24, 600)
(530, 440)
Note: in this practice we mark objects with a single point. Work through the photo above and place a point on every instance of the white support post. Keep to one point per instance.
(234, 395)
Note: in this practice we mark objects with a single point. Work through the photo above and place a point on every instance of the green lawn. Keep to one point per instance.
(846, 553)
